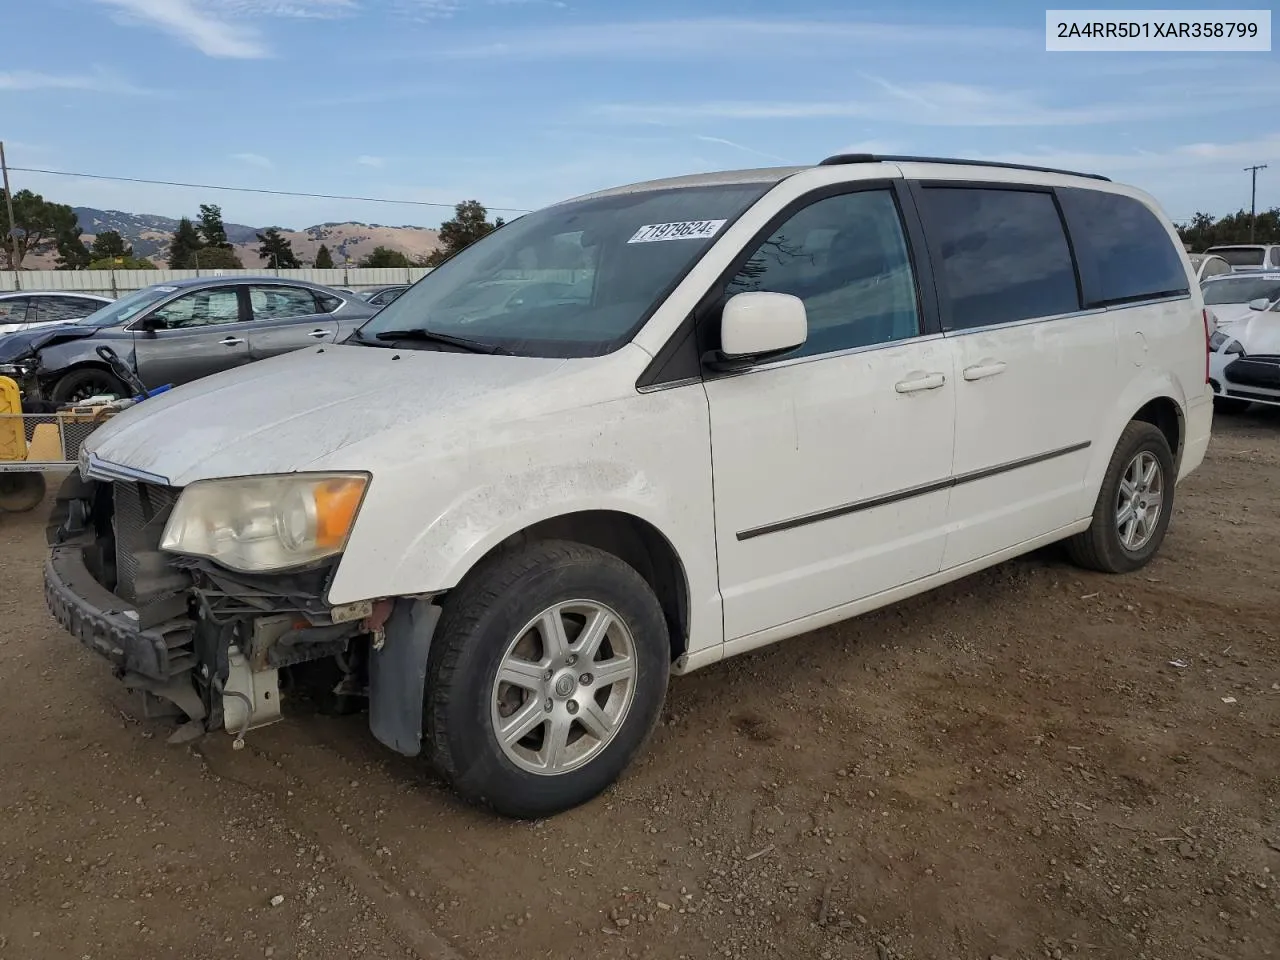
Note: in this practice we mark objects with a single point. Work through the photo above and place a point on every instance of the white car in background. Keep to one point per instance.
(1244, 358)
(1207, 265)
(1246, 257)
(25, 309)
(1229, 298)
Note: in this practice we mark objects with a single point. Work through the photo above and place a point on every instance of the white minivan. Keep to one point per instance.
(722, 410)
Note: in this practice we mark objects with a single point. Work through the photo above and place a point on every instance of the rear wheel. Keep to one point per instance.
(20, 492)
(1133, 507)
(1230, 405)
(547, 675)
(79, 385)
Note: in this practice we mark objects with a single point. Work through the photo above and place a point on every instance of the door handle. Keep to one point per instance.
(987, 368)
(318, 334)
(926, 381)
(231, 342)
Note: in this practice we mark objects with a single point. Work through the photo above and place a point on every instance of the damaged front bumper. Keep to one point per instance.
(206, 642)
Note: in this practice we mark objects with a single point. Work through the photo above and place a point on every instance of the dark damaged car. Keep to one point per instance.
(173, 333)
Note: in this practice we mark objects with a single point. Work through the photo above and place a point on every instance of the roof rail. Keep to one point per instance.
(842, 158)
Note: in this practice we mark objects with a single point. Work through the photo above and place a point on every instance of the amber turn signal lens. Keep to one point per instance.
(336, 503)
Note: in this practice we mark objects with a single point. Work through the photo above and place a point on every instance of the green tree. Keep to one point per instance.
(470, 222)
(324, 259)
(386, 257)
(109, 244)
(1203, 231)
(215, 258)
(38, 223)
(72, 253)
(276, 250)
(129, 262)
(212, 231)
(185, 242)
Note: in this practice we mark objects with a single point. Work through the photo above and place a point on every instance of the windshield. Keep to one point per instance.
(573, 280)
(120, 311)
(1240, 290)
(1240, 256)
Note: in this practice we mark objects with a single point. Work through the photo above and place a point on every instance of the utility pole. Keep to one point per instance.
(1253, 197)
(13, 224)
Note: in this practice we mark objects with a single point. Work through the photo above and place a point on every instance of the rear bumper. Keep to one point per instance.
(111, 626)
(1198, 427)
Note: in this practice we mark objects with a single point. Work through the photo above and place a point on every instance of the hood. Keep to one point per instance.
(1257, 331)
(24, 343)
(289, 412)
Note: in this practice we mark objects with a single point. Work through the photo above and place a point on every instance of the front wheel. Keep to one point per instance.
(1133, 508)
(547, 675)
(79, 385)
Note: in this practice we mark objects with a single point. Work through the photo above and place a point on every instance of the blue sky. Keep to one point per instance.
(519, 103)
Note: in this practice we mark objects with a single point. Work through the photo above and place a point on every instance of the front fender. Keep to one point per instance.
(57, 358)
(427, 520)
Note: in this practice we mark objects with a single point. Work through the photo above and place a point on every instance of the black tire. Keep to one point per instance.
(21, 492)
(1230, 405)
(85, 382)
(482, 618)
(1100, 547)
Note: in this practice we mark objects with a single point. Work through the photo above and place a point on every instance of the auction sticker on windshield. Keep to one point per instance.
(684, 230)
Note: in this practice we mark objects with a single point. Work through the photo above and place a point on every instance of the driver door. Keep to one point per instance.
(202, 332)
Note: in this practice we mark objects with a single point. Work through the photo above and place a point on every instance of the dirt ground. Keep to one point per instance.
(1008, 768)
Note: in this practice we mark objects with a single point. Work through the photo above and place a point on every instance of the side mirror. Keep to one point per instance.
(1260, 304)
(756, 327)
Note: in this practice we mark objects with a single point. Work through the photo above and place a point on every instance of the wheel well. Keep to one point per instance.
(57, 375)
(1164, 414)
(632, 540)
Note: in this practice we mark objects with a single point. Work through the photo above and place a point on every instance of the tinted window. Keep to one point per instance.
(1240, 256)
(846, 258)
(1275, 256)
(1130, 253)
(13, 310)
(201, 308)
(281, 303)
(63, 308)
(1004, 255)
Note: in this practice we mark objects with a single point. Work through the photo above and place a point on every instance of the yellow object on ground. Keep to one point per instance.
(13, 442)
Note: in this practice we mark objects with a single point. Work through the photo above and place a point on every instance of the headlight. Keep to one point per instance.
(21, 369)
(1217, 340)
(259, 524)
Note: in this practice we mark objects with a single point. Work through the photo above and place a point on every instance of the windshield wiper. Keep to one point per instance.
(427, 336)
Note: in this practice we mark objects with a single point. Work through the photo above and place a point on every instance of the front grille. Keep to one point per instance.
(138, 519)
(1255, 371)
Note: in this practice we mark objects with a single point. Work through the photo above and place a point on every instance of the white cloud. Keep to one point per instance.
(919, 104)
(734, 38)
(202, 30)
(291, 9)
(742, 147)
(100, 81)
(367, 161)
(254, 160)
(426, 10)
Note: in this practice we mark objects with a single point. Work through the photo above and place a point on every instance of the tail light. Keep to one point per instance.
(1204, 315)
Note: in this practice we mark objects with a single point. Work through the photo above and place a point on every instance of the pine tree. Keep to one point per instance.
(212, 230)
(72, 253)
(186, 241)
(324, 259)
(470, 223)
(277, 251)
(109, 244)
(386, 257)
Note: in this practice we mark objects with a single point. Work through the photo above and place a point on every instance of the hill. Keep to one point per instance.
(150, 234)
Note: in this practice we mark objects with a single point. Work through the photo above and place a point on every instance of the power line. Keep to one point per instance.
(274, 193)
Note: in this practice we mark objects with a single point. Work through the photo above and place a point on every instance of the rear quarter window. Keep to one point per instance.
(1003, 255)
(1125, 252)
